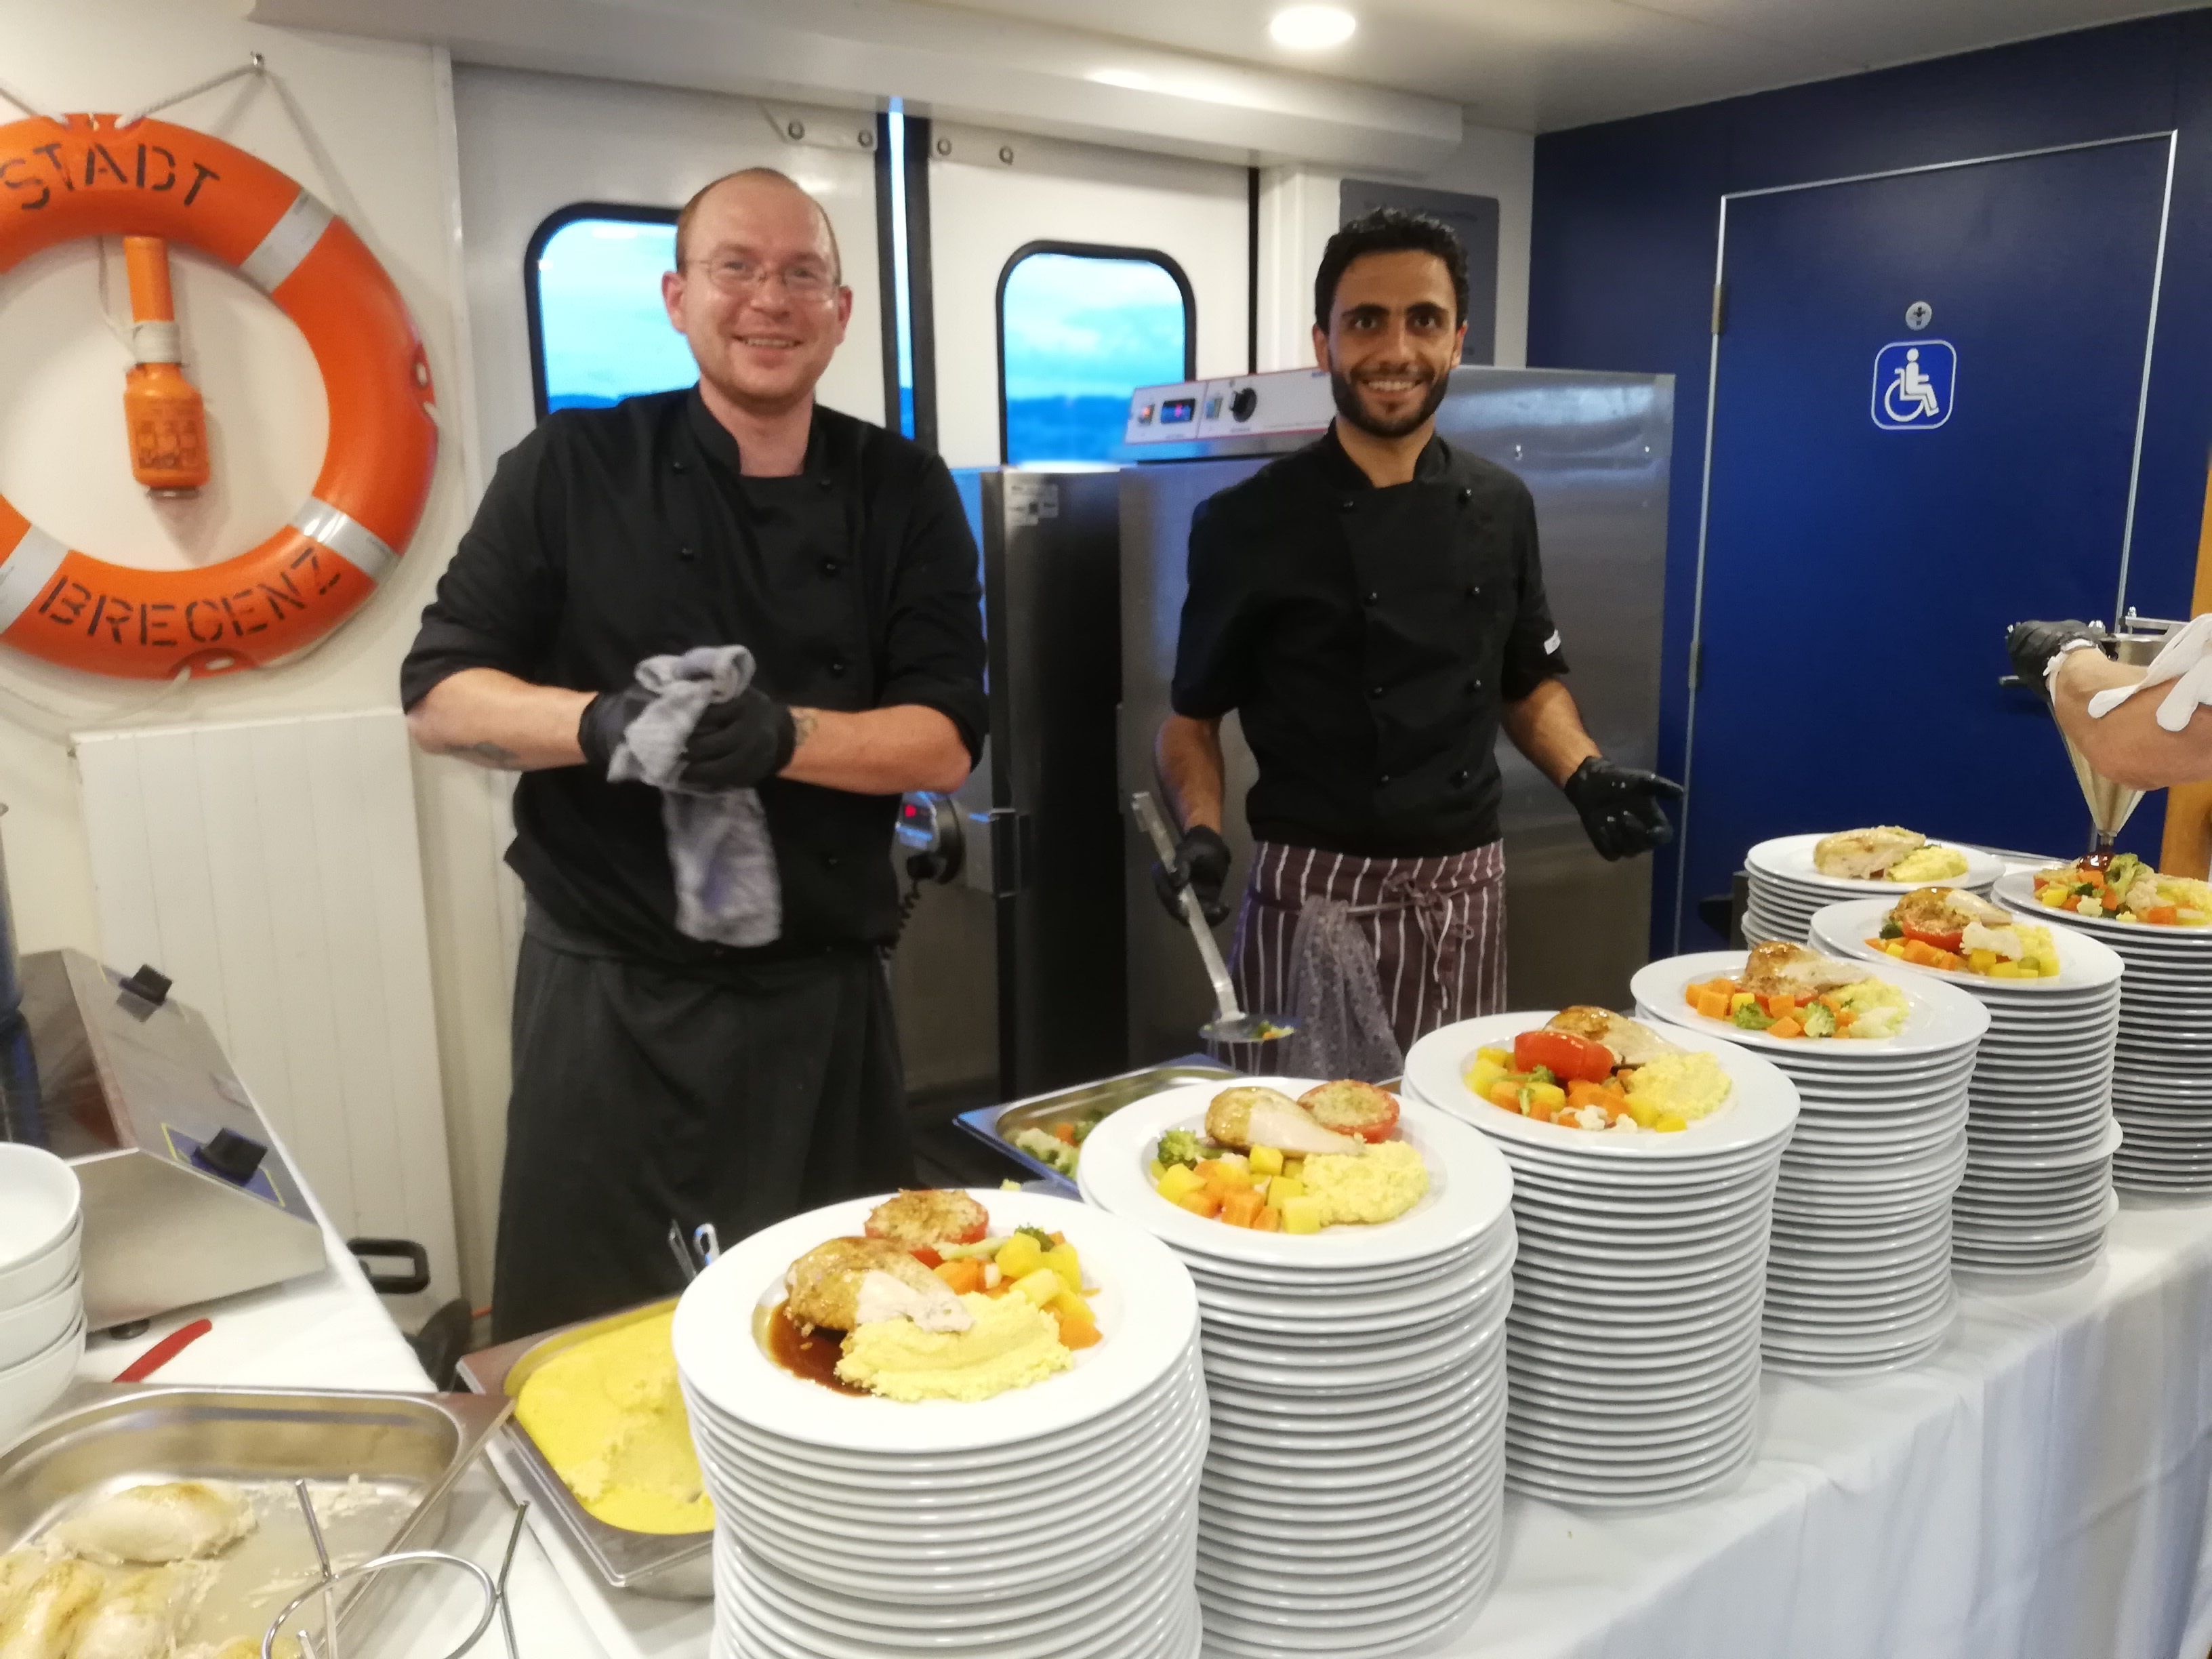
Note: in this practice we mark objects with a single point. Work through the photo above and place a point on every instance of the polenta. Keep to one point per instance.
(609, 1417)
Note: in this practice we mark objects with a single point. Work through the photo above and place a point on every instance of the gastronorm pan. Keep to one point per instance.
(379, 1467)
(674, 1566)
(998, 1125)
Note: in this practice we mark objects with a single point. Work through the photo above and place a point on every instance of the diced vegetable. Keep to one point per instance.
(1240, 1209)
(1265, 1161)
(1302, 1215)
(1062, 1260)
(1079, 1326)
(1020, 1256)
(962, 1277)
(1041, 1286)
(1200, 1203)
(1179, 1182)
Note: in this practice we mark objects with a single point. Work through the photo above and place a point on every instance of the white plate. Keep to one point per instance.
(1345, 1636)
(1147, 1306)
(1789, 860)
(1470, 1186)
(1941, 1018)
(2086, 967)
(1760, 1111)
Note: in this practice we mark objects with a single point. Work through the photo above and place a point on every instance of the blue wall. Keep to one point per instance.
(1626, 213)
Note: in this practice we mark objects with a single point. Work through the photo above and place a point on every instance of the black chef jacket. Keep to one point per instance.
(612, 535)
(1367, 639)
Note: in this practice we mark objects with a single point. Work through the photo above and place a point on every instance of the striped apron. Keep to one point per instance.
(1436, 926)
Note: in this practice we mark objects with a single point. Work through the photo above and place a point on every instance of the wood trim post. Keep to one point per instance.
(2188, 848)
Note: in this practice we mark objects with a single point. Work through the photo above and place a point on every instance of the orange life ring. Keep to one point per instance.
(90, 175)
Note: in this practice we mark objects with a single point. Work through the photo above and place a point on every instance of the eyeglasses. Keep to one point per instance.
(748, 275)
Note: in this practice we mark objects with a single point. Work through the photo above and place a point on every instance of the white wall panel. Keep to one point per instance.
(271, 869)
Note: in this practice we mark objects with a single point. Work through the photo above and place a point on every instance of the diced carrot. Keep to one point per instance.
(2113, 899)
(1778, 1005)
(1845, 1019)
(1064, 1134)
(1201, 1202)
(1506, 1095)
(1269, 1220)
(1239, 1208)
(1785, 1028)
(1207, 1168)
(1713, 1005)
(1582, 1093)
(962, 1276)
(2165, 915)
(2090, 876)
(1076, 1330)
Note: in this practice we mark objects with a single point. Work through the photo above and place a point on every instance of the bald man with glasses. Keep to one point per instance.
(662, 1074)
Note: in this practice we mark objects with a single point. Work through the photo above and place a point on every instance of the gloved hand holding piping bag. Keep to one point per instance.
(2141, 741)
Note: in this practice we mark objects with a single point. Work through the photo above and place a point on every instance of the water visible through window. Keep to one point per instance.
(1080, 332)
(603, 335)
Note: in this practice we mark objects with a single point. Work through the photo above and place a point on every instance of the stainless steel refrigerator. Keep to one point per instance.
(1593, 449)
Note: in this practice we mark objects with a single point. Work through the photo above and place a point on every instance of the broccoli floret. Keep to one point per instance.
(1891, 930)
(1038, 1235)
(1180, 1146)
(1048, 1150)
(1544, 1075)
(1819, 1020)
(1751, 1018)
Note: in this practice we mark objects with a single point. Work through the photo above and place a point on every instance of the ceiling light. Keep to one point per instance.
(1312, 28)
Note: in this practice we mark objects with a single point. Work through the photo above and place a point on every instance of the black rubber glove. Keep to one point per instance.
(1620, 806)
(736, 744)
(2031, 645)
(1202, 864)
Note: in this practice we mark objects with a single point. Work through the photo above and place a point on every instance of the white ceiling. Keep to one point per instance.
(1539, 65)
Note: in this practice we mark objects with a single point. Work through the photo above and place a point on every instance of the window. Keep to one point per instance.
(598, 331)
(1079, 329)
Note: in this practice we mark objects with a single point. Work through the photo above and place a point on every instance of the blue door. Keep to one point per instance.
(1924, 429)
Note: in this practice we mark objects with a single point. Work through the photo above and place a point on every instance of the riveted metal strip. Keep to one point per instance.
(25, 573)
(289, 240)
(346, 536)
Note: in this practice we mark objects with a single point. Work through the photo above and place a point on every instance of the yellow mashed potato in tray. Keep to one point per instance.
(1012, 1343)
(609, 1417)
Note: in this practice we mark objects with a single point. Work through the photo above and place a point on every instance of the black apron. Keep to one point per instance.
(644, 1096)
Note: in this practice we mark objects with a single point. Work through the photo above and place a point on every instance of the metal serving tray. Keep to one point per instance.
(378, 1466)
(997, 1125)
(673, 1566)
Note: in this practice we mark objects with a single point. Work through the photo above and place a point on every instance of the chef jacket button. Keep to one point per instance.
(823, 481)
(831, 567)
(1383, 778)
(1460, 778)
(1474, 591)
(1375, 690)
(1347, 504)
(1373, 597)
(676, 466)
(685, 553)
(1465, 496)
(1475, 685)
(836, 665)
(830, 860)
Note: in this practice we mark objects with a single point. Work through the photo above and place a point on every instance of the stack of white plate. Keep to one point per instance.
(41, 1284)
(2038, 1192)
(1353, 1497)
(1633, 1352)
(1057, 1519)
(2162, 1066)
(1859, 1279)
(1786, 890)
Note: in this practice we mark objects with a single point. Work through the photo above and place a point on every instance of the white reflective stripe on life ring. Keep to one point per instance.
(26, 571)
(289, 240)
(345, 536)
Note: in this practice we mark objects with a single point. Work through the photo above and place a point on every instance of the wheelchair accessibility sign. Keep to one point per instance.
(1914, 380)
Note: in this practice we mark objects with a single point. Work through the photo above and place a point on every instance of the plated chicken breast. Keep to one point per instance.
(1779, 969)
(1864, 854)
(1631, 1042)
(844, 1282)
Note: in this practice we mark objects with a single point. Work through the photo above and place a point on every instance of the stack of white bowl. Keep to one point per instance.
(2038, 1192)
(41, 1284)
(1786, 890)
(2163, 1064)
(1633, 1352)
(1859, 1278)
(1353, 1499)
(1057, 1519)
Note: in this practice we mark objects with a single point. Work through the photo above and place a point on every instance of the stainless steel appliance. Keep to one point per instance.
(186, 1196)
(1593, 449)
(1009, 977)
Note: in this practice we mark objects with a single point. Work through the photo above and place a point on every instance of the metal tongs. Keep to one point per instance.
(1231, 1023)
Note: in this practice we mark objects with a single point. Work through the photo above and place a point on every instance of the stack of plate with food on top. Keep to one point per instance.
(1644, 1172)
(1860, 1274)
(2162, 927)
(1793, 875)
(2038, 1192)
(1353, 1258)
(953, 1423)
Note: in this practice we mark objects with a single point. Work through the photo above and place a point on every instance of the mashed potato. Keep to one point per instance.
(1928, 864)
(1012, 1343)
(1378, 1185)
(610, 1418)
(1692, 1086)
(1880, 1008)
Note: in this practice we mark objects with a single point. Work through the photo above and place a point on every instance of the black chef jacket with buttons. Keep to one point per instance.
(1367, 639)
(611, 535)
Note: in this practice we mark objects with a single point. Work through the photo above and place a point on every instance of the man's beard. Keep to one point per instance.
(1348, 406)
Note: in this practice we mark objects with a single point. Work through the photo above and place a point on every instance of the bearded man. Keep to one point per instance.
(1372, 607)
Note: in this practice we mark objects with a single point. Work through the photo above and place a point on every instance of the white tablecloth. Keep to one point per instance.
(2037, 1491)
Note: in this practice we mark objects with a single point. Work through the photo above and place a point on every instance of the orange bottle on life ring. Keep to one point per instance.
(162, 409)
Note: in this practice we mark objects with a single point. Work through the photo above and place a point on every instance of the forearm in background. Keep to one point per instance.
(1187, 754)
(494, 720)
(1547, 727)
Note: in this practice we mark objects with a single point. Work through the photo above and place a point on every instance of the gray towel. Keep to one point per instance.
(1336, 1001)
(728, 890)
